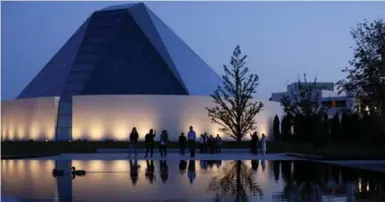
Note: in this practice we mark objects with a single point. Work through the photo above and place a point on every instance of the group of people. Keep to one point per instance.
(258, 144)
(149, 141)
(208, 144)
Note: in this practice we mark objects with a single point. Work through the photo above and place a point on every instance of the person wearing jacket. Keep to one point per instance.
(163, 143)
(134, 136)
(150, 142)
(191, 137)
(182, 144)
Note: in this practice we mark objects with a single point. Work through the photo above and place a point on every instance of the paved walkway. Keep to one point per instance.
(171, 156)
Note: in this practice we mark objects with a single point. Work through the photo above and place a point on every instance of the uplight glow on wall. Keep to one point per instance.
(112, 117)
(26, 119)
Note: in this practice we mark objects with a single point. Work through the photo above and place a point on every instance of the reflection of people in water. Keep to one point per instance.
(182, 166)
(254, 164)
(150, 171)
(218, 163)
(211, 163)
(263, 163)
(191, 171)
(163, 171)
(203, 164)
(134, 171)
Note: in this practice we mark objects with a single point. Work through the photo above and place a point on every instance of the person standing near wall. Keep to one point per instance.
(218, 144)
(150, 142)
(263, 144)
(163, 143)
(254, 143)
(202, 144)
(206, 142)
(182, 144)
(134, 136)
(191, 136)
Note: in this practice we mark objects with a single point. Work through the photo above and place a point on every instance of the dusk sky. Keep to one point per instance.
(283, 40)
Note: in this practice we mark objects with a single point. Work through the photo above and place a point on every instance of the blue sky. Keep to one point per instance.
(283, 40)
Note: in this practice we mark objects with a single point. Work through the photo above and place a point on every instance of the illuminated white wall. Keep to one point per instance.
(26, 119)
(113, 116)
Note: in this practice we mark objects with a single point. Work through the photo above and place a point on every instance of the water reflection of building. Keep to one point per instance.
(111, 180)
(309, 181)
(64, 183)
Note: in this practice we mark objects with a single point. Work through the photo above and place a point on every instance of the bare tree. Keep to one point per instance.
(235, 108)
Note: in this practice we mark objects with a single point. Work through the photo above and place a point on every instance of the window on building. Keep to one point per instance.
(334, 103)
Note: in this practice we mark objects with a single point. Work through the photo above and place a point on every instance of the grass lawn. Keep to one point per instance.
(333, 150)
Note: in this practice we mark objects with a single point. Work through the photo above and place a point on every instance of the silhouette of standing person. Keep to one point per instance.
(134, 136)
(202, 144)
(182, 166)
(150, 171)
(134, 172)
(218, 144)
(254, 143)
(263, 144)
(163, 171)
(191, 136)
(182, 144)
(150, 142)
(211, 142)
(191, 171)
(163, 143)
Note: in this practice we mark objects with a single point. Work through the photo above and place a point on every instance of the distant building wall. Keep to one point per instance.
(323, 93)
(26, 119)
(319, 85)
(113, 116)
(277, 96)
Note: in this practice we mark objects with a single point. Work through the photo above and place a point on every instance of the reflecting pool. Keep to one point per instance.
(188, 180)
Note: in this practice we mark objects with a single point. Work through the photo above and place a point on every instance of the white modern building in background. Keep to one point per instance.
(122, 68)
(327, 96)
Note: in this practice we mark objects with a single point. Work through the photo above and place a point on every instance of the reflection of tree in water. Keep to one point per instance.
(276, 166)
(303, 181)
(235, 182)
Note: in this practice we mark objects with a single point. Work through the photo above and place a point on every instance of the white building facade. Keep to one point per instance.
(328, 96)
